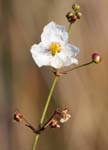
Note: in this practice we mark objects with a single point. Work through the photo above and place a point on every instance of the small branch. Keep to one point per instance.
(18, 117)
(48, 122)
(71, 69)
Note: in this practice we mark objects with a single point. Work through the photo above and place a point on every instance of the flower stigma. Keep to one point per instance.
(54, 48)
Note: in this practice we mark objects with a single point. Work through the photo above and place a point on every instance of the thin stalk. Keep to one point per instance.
(69, 70)
(48, 100)
(45, 110)
(69, 28)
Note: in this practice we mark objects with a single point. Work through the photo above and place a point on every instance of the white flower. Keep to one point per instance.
(54, 49)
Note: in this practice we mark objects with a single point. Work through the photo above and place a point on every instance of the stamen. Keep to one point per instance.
(54, 48)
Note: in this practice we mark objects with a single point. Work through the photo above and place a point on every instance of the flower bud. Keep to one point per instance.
(75, 7)
(18, 117)
(71, 17)
(96, 58)
(78, 14)
(54, 123)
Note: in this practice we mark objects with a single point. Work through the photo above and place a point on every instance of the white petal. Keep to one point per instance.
(54, 33)
(40, 55)
(75, 50)
(68, 54)
(56, 62)
(43, 57)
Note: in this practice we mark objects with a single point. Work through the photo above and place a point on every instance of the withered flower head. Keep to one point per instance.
(58, 117)
(65, 116)
(18, 117)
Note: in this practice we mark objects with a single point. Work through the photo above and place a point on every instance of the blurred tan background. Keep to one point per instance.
(25, 87)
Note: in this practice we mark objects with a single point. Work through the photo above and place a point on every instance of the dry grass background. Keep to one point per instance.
(25, 86)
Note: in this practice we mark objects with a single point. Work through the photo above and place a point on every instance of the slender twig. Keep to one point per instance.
(48, 122)
(71, 69)
(29, 125)
(69, 28)
(32, 128)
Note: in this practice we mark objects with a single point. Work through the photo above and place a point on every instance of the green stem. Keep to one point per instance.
(48, 100)
(45, 110)
(35, 141)
(69, 28)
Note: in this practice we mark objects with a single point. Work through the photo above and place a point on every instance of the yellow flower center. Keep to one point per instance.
(54, 48)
